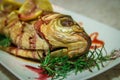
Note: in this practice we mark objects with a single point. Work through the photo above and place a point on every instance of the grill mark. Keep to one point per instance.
(32, 42)
(12, 24)
(20, 40)
(19, 37)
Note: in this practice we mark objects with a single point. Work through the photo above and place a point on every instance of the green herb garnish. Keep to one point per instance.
(59, 67)
(4, 41)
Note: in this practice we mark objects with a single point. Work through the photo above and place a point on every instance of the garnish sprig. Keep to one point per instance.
(59, 67)
(4, 41)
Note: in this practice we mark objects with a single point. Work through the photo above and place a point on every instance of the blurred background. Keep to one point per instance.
(104, 11)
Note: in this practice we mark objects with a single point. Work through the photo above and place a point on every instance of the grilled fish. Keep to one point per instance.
(35, 29)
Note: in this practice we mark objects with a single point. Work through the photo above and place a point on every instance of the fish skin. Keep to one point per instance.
(47, 31)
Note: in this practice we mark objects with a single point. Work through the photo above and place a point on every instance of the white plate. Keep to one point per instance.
(109, 35)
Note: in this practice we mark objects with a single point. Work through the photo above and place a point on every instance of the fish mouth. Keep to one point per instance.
(72, 50)
(88, 40)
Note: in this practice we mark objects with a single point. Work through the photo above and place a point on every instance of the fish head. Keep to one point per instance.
(64, 35)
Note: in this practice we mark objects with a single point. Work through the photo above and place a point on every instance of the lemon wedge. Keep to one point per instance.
(31, 9)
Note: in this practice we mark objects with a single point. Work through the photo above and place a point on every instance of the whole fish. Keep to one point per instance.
(35, 30)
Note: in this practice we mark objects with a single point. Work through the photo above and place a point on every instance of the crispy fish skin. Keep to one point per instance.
(37, 33)
(23, 34)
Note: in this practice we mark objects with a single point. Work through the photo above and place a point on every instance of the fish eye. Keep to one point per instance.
(66, 21)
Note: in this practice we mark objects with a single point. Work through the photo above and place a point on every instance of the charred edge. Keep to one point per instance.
(30, 59)
(58, 48)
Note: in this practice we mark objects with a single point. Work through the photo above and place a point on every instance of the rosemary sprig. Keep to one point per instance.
(59, 67)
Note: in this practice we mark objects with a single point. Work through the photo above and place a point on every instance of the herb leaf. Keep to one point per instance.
(59, 67)
(4, 41)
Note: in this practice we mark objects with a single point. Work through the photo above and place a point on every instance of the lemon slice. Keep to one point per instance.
(31, 9)
(9, 5)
